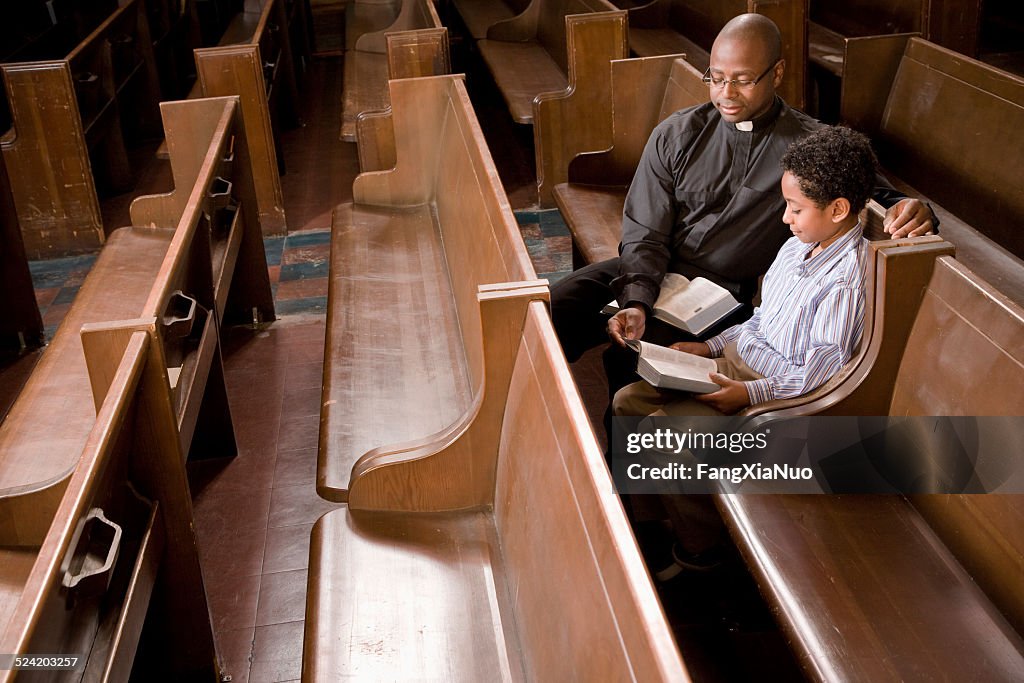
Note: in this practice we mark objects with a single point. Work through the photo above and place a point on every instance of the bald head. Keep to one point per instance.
(753, 29)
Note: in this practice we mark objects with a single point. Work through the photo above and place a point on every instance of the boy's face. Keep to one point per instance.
(805, 219)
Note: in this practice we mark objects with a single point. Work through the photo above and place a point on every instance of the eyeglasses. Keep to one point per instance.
(740, 83)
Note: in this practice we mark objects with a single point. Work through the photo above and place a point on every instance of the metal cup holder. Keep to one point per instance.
(222, 206)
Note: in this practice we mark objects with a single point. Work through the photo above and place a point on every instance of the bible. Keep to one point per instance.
(667, 368)
(691, 305)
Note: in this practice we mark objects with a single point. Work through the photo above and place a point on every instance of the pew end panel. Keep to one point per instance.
(470, 580)
(58, 206)
(410, 54)
(242, 292)
(131, 490)
(479, 15)
(578, 119)
(238, 70)
(869, 68)
(413, 14)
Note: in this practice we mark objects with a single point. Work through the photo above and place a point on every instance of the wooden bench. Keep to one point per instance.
(410, 54)
(510, 559)
(885, 587)
(21, 326)
(254, 60)
(193, 258)
(122, 538)
(529, 54)
(689, 27)
(72, 120)
(416, 45)
(928, 132)
(416, 242)
(643, 92)
(480, 15)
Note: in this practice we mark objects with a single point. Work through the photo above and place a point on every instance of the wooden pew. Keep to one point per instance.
(193, 259)
(689, 27)
(174, 28)
(928, 132)
(480, 15)
(919, 589)
(71, 118)
(529, 54)
(410, 54)
(254, 60)
(416, 45)
(511, 559)
(417, 240)
(21, 326)
(122, 536)
(643, 92)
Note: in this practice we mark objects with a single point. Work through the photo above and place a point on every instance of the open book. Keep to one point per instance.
(667, 368)
(691, 305)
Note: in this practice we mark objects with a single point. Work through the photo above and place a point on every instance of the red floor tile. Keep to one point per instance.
(287, 548)
(282, 597)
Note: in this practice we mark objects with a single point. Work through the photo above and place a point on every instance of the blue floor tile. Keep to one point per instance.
(308, 239)
(304, 271)
(313, 304)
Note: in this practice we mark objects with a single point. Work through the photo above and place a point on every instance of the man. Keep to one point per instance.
(705, 200)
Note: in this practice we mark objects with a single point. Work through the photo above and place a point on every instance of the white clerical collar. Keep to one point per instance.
(745, 126)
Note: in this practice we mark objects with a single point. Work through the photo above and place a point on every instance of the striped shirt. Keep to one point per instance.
(810, 319)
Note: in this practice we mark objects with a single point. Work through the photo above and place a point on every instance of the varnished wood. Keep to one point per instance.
(420, 237)
(927, 152)
(871, 563)
(76, 106)
(643, 91)
(474, 591)
(128, 446)
(528, 54)
(415, 45)
(579, 119)
(690, 27)
(480, 15)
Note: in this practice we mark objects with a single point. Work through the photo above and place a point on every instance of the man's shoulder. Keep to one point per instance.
(697, 117)
(793, 123)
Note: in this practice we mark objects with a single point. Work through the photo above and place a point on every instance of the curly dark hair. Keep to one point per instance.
(833, 162)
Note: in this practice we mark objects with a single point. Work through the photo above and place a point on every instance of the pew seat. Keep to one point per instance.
(403, 365)
(494, 591)
(593, 214)
(528, 55)
(872, 587)
(642, 93)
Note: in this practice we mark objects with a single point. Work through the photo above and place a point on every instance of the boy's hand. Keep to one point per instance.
(730, 398)
(908, 218)
(628, 323)
(696, 348)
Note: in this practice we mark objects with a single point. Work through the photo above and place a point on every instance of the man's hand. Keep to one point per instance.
(908, 218)
(730, 398)
(628, 323)
(696, 348)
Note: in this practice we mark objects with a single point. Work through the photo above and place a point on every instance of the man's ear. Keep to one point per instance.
(839, 209)
(777, 72)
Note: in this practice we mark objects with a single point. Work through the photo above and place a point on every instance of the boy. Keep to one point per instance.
(812, 311)
(810, 320)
